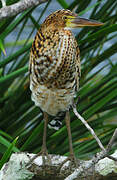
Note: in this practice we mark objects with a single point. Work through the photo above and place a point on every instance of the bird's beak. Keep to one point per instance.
(76, 22)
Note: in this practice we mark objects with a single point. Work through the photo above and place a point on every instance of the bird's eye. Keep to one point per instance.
(64, 17)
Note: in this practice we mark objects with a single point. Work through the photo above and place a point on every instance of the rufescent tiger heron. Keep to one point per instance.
(55, 67)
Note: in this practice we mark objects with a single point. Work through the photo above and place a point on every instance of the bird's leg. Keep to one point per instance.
(43, 151)
(67, 120)
(44, 148)
(71, 157)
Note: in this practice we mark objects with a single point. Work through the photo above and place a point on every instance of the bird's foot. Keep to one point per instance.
(73, 162)
(45, 157)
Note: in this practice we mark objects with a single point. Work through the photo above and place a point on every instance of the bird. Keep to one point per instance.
(55, 69)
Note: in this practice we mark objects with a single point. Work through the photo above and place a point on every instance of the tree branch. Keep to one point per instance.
(16, 168)
(22, 5)
(96, 168)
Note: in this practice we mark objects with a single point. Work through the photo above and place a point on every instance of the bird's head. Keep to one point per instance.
(67, 19)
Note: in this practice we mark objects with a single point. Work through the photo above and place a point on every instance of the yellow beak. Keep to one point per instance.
(76, 22)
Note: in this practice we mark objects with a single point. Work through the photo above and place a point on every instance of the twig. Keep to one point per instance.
(89, 128)
(114, 136)
(109, 146)
(3, 3)
(14, 9)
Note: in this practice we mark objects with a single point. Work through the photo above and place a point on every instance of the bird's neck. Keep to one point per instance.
(56, 30)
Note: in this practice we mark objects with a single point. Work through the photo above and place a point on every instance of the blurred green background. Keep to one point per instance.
(21, 122)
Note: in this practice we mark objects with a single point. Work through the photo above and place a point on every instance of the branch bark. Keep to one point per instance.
(14, 9)
(16, 168)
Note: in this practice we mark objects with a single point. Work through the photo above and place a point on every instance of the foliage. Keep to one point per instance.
(98, 85)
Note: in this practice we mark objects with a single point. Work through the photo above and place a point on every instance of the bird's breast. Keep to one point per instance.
(52, 101)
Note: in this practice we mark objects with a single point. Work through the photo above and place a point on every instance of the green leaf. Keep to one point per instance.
(8, 152)
(14, 74)
(15, 55)
(2, 47)
(63, 3)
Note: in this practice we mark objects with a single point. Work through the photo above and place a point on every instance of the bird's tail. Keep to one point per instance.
(56, 122)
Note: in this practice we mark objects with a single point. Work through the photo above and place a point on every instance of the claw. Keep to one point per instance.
(73, 162)
(43, 153)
